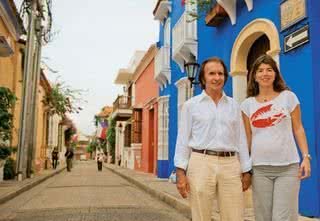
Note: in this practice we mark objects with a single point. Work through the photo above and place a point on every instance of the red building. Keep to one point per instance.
(145, 112)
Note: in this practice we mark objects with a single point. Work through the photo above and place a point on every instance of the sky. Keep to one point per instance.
(95, 39)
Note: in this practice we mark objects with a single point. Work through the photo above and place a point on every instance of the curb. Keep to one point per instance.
(170, 200)
(28, 186)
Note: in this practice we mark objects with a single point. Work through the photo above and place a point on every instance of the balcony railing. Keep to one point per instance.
(184, 40)
(122, 102)
(162, 72)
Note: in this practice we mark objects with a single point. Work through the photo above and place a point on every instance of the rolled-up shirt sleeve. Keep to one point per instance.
(182, 152)
(245, 160)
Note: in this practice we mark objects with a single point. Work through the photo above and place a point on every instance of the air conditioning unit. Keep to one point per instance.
(6, 48)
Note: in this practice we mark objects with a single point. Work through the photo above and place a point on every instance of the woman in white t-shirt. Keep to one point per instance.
(272, 119)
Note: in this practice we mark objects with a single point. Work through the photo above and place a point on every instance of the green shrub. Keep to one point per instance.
(7, 100)
(8, 170)
(4, 152)
(111, 137)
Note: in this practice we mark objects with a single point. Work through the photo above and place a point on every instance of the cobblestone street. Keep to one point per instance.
(86, 194)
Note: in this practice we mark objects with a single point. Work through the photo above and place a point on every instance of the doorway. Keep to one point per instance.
(151, 141)
(260, 36)
(258, 48)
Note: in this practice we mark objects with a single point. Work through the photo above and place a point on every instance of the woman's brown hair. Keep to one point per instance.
(203, 65)
(278, 84)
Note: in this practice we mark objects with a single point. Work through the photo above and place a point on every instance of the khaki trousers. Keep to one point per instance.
(210, 177)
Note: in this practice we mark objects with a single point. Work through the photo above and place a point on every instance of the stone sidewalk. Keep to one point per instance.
(159, 188)
(167, 192)
(12, 188)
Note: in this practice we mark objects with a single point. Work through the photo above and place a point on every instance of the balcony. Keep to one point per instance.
(184, 40)
(224, 8)
(162, 10)
(121, 108)
(216, 16)
(162, 72)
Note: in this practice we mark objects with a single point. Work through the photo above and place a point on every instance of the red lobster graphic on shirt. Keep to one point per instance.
(267, 116)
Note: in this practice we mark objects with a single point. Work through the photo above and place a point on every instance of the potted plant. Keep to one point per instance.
(213, 12)
(7, 100)
(31, 173)
(5, 152)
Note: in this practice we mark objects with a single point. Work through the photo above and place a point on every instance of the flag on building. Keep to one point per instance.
(102, 129)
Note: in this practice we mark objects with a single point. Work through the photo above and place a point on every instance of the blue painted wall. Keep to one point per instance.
(314, 22)
(162, 165)
(299, 68)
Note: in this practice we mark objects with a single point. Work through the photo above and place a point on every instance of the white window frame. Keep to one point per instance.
(185, 92)
(167, 33)
(163, 128)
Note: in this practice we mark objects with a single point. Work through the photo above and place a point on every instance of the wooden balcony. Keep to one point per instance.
(216, 16)
(225, 9)
(121, 108)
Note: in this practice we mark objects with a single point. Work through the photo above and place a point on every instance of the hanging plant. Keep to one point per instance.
(62, 99)
(199, 8)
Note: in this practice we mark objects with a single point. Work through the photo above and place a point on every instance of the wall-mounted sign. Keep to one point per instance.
(291, 12)
(297, 38)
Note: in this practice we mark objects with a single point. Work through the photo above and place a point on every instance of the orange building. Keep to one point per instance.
(11, 55)
(145, 112)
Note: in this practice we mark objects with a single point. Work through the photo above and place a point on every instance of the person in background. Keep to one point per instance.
(69, 155)
(55, 157)
(99, 159)
(272, 118)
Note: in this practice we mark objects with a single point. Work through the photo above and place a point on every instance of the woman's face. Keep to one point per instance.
(265, 75)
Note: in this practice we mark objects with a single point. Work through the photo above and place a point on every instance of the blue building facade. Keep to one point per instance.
(287, 30)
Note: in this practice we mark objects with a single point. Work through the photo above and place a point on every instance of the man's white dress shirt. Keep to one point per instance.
(205, 125)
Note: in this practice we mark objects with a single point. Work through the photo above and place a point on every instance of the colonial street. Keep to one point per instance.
(86, 194)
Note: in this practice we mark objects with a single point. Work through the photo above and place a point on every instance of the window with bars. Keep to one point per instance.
(127, 135)
(137, 126)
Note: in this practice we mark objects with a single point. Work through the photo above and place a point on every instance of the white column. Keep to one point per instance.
(239, 86)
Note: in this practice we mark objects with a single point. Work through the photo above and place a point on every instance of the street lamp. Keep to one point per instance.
(120, 127)
(192, 69)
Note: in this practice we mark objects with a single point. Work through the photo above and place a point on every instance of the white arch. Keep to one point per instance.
(238, 62)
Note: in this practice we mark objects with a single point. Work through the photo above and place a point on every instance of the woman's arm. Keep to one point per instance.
(247, 128)
(301, 139)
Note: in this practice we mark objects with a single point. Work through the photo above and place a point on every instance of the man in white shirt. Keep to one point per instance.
(211, 155)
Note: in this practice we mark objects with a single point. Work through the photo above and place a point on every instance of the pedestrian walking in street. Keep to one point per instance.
(211, 156)
(69, 156)
(55, 157)
(99, 159)
(272, 119)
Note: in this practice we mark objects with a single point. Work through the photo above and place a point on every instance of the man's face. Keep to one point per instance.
(214, 76)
